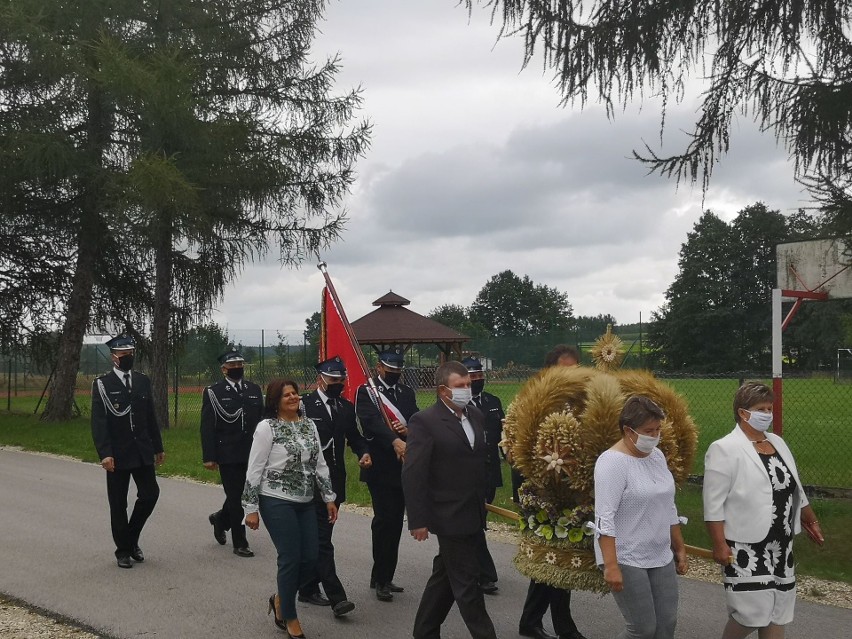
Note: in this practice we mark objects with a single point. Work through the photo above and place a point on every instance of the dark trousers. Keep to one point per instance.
(293, 529)
(487, 569)
(455, 578)
(388, 514)
(539, 597)
(125, 532)
(230, 517)
(326, 569)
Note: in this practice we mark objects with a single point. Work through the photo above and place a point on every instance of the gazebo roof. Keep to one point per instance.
(393, 324)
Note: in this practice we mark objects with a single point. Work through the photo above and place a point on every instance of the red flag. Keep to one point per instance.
(334, 340)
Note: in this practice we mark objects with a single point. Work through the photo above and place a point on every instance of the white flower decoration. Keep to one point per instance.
(773, 513)
(771, 555)
(554, 462)
(529, 552)
(779, 474)
(745, 560)
(550, 558)
(576, 562)
(788, 507)
(788, 562)
(608, 353)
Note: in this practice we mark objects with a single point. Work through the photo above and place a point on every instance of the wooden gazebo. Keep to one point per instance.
(391, 324)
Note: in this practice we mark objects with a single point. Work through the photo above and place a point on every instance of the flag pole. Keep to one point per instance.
(353, 341)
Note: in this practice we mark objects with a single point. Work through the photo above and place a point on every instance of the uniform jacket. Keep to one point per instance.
(492, 408)
(133, 439)
(334, 435)
(443, 477)
(386, 466)
(224, 441)
(737, 488)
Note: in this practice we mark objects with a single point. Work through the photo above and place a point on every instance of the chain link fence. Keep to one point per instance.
(816, 410)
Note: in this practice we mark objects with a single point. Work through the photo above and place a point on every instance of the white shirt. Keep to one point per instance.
(465, 423)
(634, 502)
(121, 374)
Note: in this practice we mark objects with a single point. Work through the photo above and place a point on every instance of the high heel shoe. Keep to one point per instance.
(301, 635)
(274, 609)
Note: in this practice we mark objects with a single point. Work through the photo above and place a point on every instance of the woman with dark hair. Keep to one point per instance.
(285, 469)
(754, 503)
(638, 540)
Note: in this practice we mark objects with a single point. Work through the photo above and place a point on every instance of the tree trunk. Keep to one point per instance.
(160, 325)
(61, 401)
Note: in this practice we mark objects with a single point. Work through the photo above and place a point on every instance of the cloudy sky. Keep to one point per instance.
(474, 168)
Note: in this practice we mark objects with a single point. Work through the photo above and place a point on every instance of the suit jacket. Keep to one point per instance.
(334, 435)
(443, 477)
(133, 439)
(737, 488)
(386, 467)
(492, 408)
(227, 442)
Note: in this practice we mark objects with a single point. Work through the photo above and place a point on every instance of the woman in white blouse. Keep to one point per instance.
(285, 471)
(638, 541)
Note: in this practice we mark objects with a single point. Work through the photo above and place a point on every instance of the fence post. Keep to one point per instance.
(9, 385)
(262, 347)
(176, 391)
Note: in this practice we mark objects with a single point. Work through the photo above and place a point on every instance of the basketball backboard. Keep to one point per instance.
(820, 266)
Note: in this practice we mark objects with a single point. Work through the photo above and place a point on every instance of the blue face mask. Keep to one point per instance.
(759, 420)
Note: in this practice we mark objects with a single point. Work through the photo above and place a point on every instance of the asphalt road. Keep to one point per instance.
(56, 553)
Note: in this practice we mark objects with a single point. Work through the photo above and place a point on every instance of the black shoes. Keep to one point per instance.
(315, 598)
(342, 607)
(218, 531)
(279, 621)
(536, 633)
(136, 554)
(391, 586)
(245, 551)
(124, 562)
(488, 587)
(383, 592)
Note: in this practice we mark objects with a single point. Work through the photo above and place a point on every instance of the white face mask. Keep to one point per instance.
(759, 420)
(461, 396)
(645, 443)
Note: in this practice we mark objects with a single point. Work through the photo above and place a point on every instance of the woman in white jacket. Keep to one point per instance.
(754, 503)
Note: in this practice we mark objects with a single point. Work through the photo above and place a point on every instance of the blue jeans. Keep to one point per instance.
(293, 529)
(648, 602)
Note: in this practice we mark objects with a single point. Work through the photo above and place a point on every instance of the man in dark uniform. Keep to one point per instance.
(387, 450)
(541, 596)
(492, 409)
(230, 411)
(444, 481)
(334, 418)
(129, 444)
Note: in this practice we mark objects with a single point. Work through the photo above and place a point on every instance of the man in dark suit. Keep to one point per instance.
(444, 482)
(334, 418)
(387, 449)
(540, 596)
(230, 411)
(128, 441)
(492, 409)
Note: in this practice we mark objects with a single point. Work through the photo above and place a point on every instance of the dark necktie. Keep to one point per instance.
(332, 406)
(127, 381)
(239, 388)
(477, 401)
(390, 393)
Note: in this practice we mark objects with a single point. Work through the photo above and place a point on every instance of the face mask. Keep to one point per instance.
(476, 386)
(235, 374)
(125, 363)
(461, 397)
(759, 420)
(391, 378)
(333, 390)
(645, 443)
